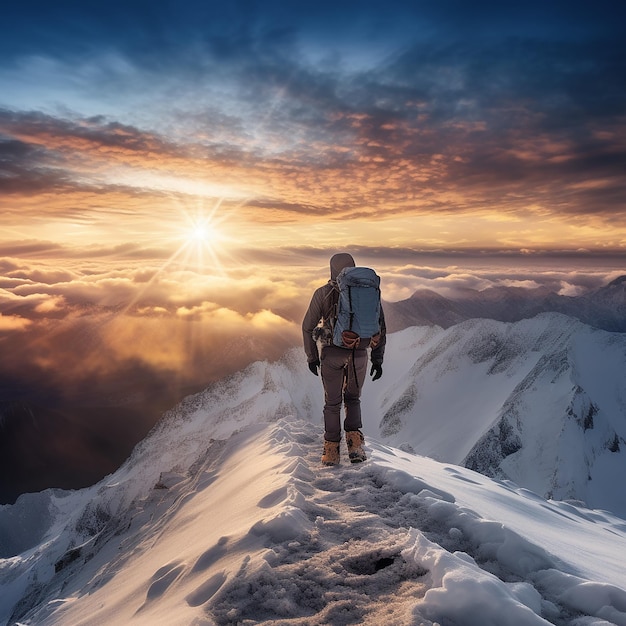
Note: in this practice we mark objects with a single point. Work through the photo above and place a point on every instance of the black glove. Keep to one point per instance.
(313, 365)
(377, 371)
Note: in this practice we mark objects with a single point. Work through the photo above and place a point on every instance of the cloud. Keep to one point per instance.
(113, 323)
(463, 126)
(13, 323)
(83, 341)
(107, 322)
(43, 152)
(170, 321)
(48, 276)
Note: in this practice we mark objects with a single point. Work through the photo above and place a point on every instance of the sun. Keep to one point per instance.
(202, 233)
(202, 237)
(201, 243)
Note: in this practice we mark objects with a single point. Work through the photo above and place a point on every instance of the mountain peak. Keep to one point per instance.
(223, 514)
(431, 294)
(617, 282)
(605, 309)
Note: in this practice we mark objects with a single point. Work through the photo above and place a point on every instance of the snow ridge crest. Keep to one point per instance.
(399, 539)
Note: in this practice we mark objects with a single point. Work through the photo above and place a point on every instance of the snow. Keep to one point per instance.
(401, 539)
(454, 394)
(224, 515)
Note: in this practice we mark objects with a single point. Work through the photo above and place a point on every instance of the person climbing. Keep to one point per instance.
(340, 353)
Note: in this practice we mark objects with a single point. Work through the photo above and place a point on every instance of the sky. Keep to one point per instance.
(175, 176)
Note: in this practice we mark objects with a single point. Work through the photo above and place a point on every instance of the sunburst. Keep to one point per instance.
(201, 240)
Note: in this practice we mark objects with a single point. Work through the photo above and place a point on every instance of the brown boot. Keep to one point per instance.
(331, 453)
(355, 441)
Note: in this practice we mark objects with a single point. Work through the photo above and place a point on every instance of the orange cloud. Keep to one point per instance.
(13, 323)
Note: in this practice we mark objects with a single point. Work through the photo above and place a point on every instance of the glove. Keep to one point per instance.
(313, 365)
(376, 371)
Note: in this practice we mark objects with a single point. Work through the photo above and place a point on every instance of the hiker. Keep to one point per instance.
(342, 368)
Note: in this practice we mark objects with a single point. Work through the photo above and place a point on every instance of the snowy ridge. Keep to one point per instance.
(541, 402)
(401, 539)
(223, 515)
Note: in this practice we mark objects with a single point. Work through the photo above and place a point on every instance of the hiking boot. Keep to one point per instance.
(331, 453)
(355, 441)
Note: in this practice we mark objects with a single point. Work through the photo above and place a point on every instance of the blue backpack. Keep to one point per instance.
(357, 323)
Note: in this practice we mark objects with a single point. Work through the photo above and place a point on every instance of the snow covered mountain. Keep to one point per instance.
(38, 417)
(541, 402)
(223, 515)
(604, 308)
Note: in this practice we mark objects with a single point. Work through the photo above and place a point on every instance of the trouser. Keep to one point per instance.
(338, 369)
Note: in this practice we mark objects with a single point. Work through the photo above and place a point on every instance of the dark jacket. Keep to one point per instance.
(322, 309)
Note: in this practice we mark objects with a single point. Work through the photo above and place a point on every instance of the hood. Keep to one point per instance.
(338, 262)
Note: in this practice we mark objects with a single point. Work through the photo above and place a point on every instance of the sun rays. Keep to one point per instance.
(198, 233)
(201, 241)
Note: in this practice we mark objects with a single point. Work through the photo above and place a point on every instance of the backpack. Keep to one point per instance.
(357, 322)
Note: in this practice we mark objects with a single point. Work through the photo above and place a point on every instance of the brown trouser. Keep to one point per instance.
(338, 368)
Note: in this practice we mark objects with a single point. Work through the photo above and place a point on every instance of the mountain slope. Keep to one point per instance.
(541, 402)
(249, 529)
